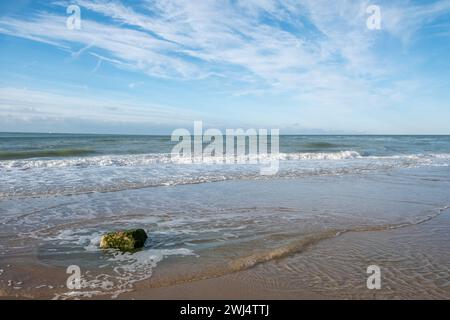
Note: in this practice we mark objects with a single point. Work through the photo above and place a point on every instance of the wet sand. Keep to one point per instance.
(414, 262)
(309, 238)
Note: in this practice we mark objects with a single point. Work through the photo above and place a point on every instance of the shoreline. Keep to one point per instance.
(241, 285)
(253, 283)
(307, 247)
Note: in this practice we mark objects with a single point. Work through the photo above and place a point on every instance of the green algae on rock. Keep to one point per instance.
(125, 240)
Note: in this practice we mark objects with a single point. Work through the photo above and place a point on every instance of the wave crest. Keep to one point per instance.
(163, 158)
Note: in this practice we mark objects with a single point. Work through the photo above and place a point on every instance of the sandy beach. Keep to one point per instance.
(317, 243)
(333, 269)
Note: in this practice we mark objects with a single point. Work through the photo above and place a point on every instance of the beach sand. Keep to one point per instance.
(316, 243)
(414, 264)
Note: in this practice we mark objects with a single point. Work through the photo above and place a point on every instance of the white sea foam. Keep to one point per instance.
(31, 177)
(155, 159)
(128, 268)
(125, 268)
(151, 159)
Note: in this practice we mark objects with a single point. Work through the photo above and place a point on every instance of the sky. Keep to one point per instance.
(301, 66)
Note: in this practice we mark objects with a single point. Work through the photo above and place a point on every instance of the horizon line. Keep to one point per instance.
(287, 134)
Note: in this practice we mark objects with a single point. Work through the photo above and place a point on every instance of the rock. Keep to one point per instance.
(126, 240)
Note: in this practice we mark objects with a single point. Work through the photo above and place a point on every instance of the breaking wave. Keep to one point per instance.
(151, 159)
(163, 158)
(80, 175)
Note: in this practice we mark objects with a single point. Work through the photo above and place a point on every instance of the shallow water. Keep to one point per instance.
(413, 260)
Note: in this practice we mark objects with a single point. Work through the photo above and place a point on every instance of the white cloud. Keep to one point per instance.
(323, 48)
(405, 18)
(28, 104)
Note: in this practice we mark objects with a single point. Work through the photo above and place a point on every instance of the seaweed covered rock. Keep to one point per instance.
(126, 240)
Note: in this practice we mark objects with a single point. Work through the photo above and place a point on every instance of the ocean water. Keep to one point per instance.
(59, 193)
(60, 164)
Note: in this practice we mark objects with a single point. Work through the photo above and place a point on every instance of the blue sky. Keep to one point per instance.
(151, 66)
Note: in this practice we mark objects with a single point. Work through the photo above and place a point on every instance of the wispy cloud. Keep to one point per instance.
(26, 104)
(317, 52)
(405, 18)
